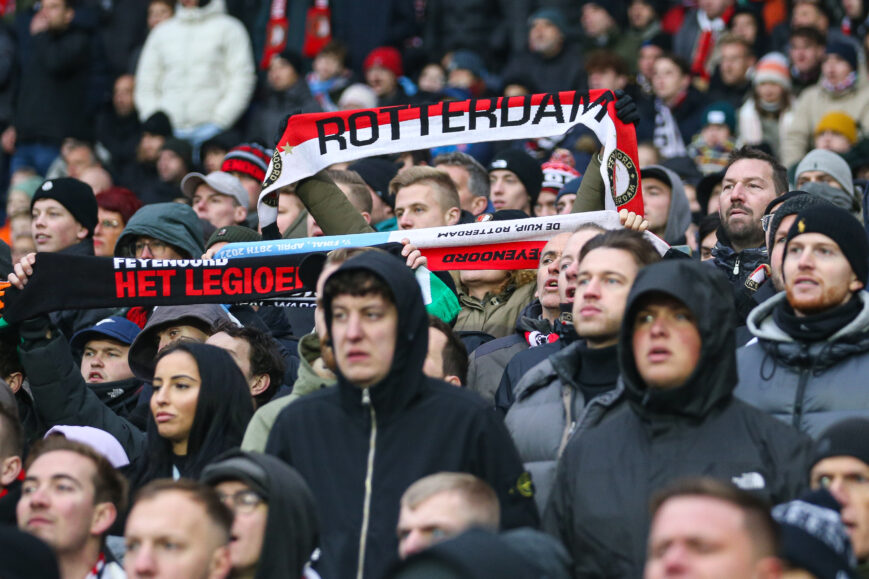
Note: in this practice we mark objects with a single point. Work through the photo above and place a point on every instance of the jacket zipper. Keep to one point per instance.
(369, 473)
(736, 266)
(567, 394)
(801, 393)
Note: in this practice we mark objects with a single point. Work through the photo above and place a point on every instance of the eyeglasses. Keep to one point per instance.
(242, 501)
(155, 246)
(110, 223)
(766, 220)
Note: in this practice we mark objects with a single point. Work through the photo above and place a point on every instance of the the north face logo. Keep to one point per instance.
(749, 481)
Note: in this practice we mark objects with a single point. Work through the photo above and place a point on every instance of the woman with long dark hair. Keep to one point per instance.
(200, 408)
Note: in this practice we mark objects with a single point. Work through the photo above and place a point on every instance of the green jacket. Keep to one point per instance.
(331, 209)
(591, 190)
(307, 381)
(494, 315)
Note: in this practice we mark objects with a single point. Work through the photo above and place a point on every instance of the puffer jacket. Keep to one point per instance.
(606, 477)
(738, 267)
(551, 409)
(487, 362)
(807, 385)
(197, 67)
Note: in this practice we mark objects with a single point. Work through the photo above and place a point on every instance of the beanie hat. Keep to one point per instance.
(119, 200)
(793, 205)
(720, 113)
(467, 60)
(773, 67)
(840, 226)
(358, 96)
(830, 163)
(845, 51)
(849, 437)
(838, 122)
(552, 15)
(181, 148)
(813, 537)
(248, 159)
(524, 166)
(233, 234)
(295, 60)
(158, 124)
(570, 188)
(377, 173)
(556, 175)
(77, 197)
(616, 10)
(385, 57)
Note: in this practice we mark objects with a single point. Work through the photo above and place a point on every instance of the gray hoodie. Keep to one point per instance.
(679, 217)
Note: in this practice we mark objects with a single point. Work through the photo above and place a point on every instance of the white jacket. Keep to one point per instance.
(751, 130)
(197, 67)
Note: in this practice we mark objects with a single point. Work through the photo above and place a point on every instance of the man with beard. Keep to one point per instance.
(752, 179)
(807, 364)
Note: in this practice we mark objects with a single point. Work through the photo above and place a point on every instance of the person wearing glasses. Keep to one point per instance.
(162, 231)
(808, 361)
(269, 499)
(115, 207)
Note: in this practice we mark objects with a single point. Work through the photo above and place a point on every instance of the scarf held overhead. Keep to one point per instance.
(312, 142)
(266, 270)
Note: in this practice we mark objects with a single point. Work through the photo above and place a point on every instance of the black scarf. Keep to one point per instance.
(816, 327)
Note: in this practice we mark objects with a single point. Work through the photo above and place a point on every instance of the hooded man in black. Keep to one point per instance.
(292, 531)
(361, 444)
(688, 427)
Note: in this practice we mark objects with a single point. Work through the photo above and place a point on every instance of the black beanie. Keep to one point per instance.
(158, 124)
(840, 226)
(849, 437)
(77, 197)
(526, 168)
(797, 202)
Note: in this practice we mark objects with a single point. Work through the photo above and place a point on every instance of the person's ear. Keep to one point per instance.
(82, 232)
(10, 468)
(453, 215)
(454, 380)
(366, 216)
(103, 518)
(479, 204)
(855, 285)
(221, 564)
(15, 380)
(260, 384)
(240, 213)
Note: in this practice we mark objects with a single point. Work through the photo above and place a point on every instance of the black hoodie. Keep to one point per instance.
(599, 505)
(345, 440)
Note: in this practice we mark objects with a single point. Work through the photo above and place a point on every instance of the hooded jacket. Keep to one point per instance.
(738, 267)
(359, 449)
(599, 504)
(495, 315)
(292, 515)
(211, 83)
(172, 223)
(487, 362)
(808, 385)
(679, 214)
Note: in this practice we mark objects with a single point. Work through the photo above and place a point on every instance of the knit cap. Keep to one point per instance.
(796, 202)
(556, 175)
(840, 226)
(77, 197)
(385, 57)
(845, 51)
(158, 124)
(358, 96)
(773, 67)
(181, 148)
(377, 173)
(830, 163)
(813, 537)
(570, 188)
(838, 122)
(720, 113)
(233, 234)
(849, 437)
(524, 166)
(552, 15)
(248, 159)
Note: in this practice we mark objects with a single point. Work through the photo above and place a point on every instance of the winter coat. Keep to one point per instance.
(750, 127)
(494, 315)
(564, 71)
(810, 108)
(738, 267)
(487, 363)
(308, 381)
(273, 108)
(551, 409)
(60, 393)
(359, 449)
(196, 67)
(599, 504)
(807, 385)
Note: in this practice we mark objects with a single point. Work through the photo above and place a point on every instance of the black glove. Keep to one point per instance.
(626, 108)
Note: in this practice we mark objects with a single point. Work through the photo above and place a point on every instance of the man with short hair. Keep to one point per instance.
(378, 330)
(425, 197)
(377, 174)
(805, 54)
(705, 527)
(677, 364)
(841, 465)
(178, 529)
(731, 82)
(443, 505)
(751, 181)
(665, 204)
(515, 179)
(11, 462)
(70, 499)
(813, 333)
(541, 420)
(447, 357)
(79, 156)
(678, 106)
(470, 179)
(257, 355)
(827, 175)
(218, 197)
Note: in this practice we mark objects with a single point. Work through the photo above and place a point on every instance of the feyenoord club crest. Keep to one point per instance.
(621, 169)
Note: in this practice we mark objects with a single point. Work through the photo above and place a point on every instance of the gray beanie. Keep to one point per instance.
(830, 163)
